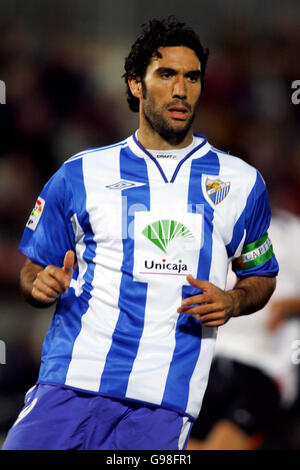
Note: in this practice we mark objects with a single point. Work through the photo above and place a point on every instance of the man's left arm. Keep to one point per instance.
(214, 306)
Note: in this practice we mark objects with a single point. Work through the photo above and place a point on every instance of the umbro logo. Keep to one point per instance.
(124, 184)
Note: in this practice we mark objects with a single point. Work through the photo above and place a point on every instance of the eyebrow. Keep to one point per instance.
(196, 73)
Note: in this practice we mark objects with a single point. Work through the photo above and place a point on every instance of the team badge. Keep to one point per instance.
(216, 189)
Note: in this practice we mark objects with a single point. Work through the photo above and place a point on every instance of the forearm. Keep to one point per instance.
(251, 294)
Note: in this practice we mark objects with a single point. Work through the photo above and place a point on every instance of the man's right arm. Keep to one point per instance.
(41, 286)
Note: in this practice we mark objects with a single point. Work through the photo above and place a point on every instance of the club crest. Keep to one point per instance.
(216, 189)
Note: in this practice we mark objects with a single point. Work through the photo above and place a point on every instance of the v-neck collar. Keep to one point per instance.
(143, 151)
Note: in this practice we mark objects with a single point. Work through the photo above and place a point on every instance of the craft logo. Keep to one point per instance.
(36, 214)
(2, 92)
(161, 233)
(216, 189)
(2, 352)
(168, 156)
(296, 93)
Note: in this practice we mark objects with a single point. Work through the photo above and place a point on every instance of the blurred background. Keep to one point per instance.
(62, 61)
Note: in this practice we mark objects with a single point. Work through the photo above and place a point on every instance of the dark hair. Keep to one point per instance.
(156, 34)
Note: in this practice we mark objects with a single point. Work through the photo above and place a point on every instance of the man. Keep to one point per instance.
(151, 223)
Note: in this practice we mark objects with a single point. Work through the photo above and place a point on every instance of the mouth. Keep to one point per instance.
(178, 112)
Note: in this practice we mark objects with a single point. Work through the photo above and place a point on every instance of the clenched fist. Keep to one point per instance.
(44, 285)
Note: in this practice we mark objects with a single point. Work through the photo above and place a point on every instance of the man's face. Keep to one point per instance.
(171, 89)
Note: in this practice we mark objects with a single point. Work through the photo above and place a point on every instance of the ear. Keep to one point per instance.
(135, 85)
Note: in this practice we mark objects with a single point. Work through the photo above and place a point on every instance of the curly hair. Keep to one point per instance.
(156, 34)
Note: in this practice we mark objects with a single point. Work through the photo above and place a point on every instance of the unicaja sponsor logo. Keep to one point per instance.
(165, 267)
(2, 352)
(162, 232)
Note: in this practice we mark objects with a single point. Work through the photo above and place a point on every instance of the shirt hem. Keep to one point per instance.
(115, 397)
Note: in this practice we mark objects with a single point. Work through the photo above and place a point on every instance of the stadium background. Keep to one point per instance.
(62, 61)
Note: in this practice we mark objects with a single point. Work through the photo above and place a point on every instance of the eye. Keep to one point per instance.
(166, 75)
(194, 77)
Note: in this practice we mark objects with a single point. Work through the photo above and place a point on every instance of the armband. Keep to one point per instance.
(254, 254)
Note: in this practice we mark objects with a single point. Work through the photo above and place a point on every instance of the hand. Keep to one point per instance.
(213, 307)
(53, 281)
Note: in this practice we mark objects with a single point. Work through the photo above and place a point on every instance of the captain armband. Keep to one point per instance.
(254, 254)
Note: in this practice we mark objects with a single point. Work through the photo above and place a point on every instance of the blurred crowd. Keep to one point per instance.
(57, 104)
(54, 108)
(246, 107)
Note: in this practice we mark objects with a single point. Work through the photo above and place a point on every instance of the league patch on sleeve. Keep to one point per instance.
(36, 214)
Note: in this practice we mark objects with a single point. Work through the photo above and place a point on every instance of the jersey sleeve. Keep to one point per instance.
(257, 257)
(49, 234)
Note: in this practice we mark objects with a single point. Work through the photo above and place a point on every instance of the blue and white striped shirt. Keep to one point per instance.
(136, 235)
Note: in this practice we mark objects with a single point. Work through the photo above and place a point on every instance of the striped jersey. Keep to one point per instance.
(137, 233)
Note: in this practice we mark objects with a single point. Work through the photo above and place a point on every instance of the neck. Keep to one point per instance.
(151, 140)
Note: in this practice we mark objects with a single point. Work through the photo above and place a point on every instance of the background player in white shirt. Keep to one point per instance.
(256, 361)
(133, 334)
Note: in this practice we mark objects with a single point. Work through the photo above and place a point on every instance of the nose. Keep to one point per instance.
(179, 89)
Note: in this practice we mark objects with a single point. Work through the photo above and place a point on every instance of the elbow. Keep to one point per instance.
(273, 283)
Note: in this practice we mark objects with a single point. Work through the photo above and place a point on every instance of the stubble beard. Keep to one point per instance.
(160, 125)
